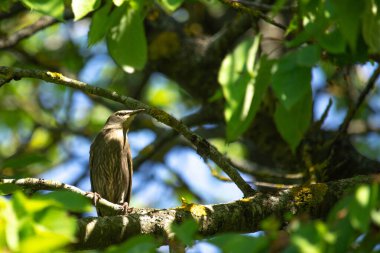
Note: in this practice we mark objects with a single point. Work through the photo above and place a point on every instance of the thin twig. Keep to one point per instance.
(26, 32)
(203, 147)
(265, 7)
(256, 13)
(353, 110)
(320, 122)
(37, 184)
(5, 80)
(263, 172)
(151, 149)
(14, 10)
(215, 174)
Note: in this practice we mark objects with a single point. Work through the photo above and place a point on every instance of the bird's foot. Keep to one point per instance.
(95, 197)
(126, 208)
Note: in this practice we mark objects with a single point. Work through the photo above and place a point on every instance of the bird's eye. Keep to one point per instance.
(121, 113)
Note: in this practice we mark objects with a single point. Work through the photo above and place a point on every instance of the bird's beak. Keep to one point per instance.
(136, 111)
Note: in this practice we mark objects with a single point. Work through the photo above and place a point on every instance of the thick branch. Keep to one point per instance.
(204, 148)
(241, 216)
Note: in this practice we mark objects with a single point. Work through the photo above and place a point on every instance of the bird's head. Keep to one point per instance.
(121, 119)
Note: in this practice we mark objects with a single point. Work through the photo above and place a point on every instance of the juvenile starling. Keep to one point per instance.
(111, 161)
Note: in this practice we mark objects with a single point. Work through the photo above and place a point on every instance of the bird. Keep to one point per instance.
(110, 161)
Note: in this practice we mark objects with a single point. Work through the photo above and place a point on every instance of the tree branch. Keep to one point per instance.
(265, 7)
(256, 13)
(241, 216)
(12, 40)
(370, 84)
(203, 147)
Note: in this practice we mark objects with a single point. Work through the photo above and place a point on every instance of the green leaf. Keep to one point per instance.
(54, 8)
(99, 24)
(253, 56)
(25, 160)
(40, 223)
(126, 39)
(82, 7)
(44, 242)
(137, 244)
(360, 208)
(119, 2)
(170, 5)
(348, 13)
(375, 216)
(235, 243)
(58, 222)
(371, 26)
(332, 41)
(312, 31)
(308, 56)
(312, 237)
(244, 114)
(186, 231)
(293, 123)
(290, 82)
(5, 5)
(244, 82)
(24, 206)
(6, 189)
(234, 80)
(9, 225)
(345, 234)
(233, 67)
(69, 200)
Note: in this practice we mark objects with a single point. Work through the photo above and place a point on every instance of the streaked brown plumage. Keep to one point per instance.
(111, 166)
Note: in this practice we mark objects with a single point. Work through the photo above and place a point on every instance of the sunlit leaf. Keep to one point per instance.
(126, 38)
(118, 2)
(82, 7)
(242, 118)
(54, 8)
(24, 206)
(360, 208)
(58, 222)
(312, 237)
(170, 5)
(40, 138)
(244, 81)
(8, 225)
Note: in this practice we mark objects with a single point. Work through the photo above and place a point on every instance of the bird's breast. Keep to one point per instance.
(117, 136)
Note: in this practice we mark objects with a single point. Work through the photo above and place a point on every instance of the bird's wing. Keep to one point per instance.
(91, 164)
(129, 173)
